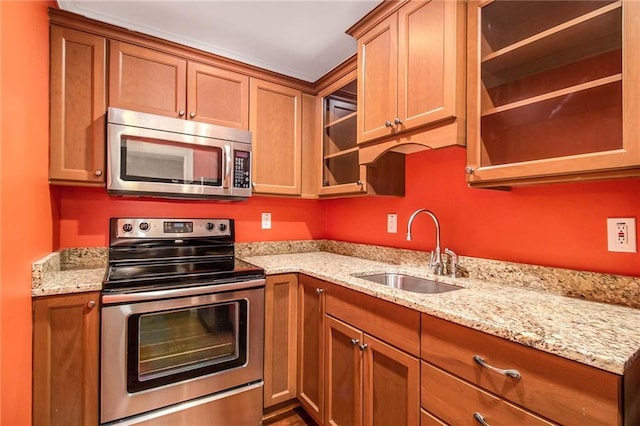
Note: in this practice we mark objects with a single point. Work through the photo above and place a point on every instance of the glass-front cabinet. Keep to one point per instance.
(553, 91)
(340, 170)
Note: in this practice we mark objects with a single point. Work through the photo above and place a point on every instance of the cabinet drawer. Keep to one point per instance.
(397, 325)
(427, 419)
(559, 389)
(459, 403)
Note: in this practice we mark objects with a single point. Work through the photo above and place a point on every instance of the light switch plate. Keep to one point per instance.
(266, 220)
(392, 223)
(621, 234)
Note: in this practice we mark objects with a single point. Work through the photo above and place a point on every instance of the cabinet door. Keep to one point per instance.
(217, 96)
(426, 62)
(275, 120)
(311, 346)
(377, 77)
(65, 359)
(146, 80)
(280, 338)
(391, 385)
(77, 107)
(343, 373)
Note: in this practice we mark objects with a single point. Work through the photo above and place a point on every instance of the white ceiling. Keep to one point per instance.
(299, 38)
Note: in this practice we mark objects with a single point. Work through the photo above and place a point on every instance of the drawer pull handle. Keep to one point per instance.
(511, 373)
(478, 417)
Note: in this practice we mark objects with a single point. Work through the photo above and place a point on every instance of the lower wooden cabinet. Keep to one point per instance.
(368, 382)
(280, 338)
(66, 335)
(311, 345)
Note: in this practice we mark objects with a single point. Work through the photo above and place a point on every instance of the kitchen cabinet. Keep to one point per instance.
(342, 173)
(280, 338)
(368, 379)
(275, 120)
(543, 385)
(311, 346)
(148, 80)
(552, 91)
(77, 107)
(411, 75)
(65, 359)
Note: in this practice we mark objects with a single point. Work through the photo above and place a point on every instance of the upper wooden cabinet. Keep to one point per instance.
(151, 81)
(77, 107)
(276, 126)
(411, 73)
(553, 91)
(342, 174)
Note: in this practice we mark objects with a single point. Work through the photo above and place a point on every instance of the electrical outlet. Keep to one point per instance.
(392, 223)
(621, 234)
(266, 220)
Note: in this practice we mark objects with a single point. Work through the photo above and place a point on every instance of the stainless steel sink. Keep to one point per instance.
(409, 283)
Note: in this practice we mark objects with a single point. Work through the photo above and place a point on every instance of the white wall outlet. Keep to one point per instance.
(392, 223)
(266, 220)
(621, 234)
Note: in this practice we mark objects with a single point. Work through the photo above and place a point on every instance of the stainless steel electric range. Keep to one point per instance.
(182, 325)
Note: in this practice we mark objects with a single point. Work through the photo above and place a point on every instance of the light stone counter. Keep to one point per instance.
(597, 334)
(67, 271)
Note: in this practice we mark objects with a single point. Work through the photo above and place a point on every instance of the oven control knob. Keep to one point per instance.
(144, 226)
(127, 227)
(222, 227)
(209, 226)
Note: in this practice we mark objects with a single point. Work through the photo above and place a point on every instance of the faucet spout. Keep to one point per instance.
(436, 263)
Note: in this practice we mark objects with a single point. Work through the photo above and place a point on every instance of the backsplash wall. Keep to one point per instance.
(83, 215)
(561, 225)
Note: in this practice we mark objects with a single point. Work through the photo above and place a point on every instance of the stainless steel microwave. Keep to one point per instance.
(152, 155)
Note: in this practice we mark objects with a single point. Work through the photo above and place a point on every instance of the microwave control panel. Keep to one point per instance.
(241, 169)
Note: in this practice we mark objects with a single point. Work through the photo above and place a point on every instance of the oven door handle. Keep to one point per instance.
(111, 299)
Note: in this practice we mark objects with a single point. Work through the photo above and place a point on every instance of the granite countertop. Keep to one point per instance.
(601, 335)
(529, 306)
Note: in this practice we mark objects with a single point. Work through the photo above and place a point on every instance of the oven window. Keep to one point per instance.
(154, 160)
(172, 346)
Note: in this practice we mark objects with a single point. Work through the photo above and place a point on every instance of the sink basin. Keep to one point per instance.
(409, 283)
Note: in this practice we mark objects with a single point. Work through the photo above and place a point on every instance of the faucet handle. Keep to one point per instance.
(454, 262)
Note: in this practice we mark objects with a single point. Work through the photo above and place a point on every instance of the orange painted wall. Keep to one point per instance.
(84, 215)
(562, 225)
(25, 209)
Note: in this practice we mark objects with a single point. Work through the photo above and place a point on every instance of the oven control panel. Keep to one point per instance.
(171, 228)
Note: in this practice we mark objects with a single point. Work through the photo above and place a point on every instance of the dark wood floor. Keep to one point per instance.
(295, 417)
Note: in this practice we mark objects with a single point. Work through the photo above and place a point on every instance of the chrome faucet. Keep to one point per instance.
(435, 261)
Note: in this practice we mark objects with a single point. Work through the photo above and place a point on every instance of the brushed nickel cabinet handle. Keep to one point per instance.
(319, 290)
(181, 113)
(511, 373)
(388, 124)
(193, 114)
(97, 172)
(91, 304)
(397, 121)
(478, 418)
(363, 347)
(355, 341)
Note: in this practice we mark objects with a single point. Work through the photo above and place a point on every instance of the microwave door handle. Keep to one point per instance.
(226, 167)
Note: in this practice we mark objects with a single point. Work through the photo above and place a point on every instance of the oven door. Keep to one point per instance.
(156, 353)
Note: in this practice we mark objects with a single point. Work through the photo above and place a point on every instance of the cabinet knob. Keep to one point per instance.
(192, 115)
(253, 185)
(397, 121)
(363, 347)
(359, 182)
(468, 170)
(97, 172)
(355, 341)
(319, 290)
(181, 113)
(388, 123)
(91, 304)
(479, 419)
